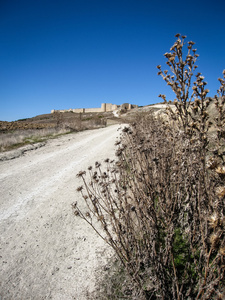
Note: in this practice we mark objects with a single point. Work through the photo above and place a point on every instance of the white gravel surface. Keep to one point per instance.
(45, 251)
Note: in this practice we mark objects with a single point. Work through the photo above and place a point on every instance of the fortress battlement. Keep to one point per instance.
(105, 107)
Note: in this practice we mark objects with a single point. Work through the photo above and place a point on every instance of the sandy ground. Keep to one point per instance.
(45, 251)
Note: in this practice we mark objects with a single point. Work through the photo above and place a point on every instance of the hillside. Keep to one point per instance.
(67, 120)
(45, 126)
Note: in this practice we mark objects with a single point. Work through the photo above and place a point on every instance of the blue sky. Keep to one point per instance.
(73, 54)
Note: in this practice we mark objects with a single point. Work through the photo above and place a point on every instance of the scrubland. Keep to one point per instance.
(43, 127)
(160, 204)
(19, 138)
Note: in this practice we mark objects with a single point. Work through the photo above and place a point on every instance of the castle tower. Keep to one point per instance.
(103, 107)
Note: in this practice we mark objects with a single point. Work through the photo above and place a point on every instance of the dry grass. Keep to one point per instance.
(20, 133)
(19, 138)
(160, 206)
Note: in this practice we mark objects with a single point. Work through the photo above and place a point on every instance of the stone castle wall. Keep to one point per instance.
(105, 107)
(92, 109)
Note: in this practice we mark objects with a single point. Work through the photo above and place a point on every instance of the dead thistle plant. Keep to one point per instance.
(160, 205)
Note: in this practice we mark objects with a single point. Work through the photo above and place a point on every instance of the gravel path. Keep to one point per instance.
(45, 251)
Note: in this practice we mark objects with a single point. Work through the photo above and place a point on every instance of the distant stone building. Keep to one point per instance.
(105, 107)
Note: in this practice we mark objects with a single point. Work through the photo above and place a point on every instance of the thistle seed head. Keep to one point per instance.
(117, 143)
(214, 220)
(74, 205)
(87, 214)
(125, 129)
(81, 174)
(220, 191)
(97, 164)
(214, 240)
(172, 58)
(222, 252)
(212, 163)
(220, 170)
(80, 188)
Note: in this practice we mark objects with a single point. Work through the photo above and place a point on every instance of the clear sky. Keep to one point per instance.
(65, 54)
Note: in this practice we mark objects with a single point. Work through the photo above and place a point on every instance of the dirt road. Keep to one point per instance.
(45, 251)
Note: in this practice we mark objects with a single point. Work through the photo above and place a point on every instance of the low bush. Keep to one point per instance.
(160, 205)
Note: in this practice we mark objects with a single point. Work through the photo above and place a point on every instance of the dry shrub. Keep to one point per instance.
(17, 138)
(17, 134)
(160, 206)
(79, 122)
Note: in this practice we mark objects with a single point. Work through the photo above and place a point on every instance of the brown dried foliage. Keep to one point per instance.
(160, 206)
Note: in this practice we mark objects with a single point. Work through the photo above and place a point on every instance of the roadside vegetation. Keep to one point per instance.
(160, 204)
(41, 128)
(19, 138)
